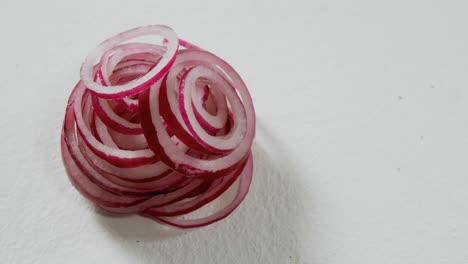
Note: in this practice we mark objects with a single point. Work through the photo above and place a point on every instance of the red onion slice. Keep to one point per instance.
(212, 143)
(228, 203)
(120, 157)
(128, 142)
(114, 121)
(159, 140)
(92, 191)
(140, 84)
(117, 56)
(141, 173)
(219, 186)
(210, 109)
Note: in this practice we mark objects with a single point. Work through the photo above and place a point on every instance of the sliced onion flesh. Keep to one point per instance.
(160, 129)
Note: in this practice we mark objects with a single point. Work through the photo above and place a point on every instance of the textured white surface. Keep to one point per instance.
(362, 145)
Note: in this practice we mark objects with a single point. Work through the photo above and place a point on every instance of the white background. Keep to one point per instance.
(362, 144)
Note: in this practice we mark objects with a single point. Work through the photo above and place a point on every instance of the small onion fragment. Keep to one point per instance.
(162, 129)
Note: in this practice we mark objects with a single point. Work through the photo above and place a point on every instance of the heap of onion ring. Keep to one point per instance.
(163, 130)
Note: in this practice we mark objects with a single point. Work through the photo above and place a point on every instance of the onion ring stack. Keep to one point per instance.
(164, 130)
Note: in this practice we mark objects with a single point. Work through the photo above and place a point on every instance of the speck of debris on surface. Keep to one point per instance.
(400, 97)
